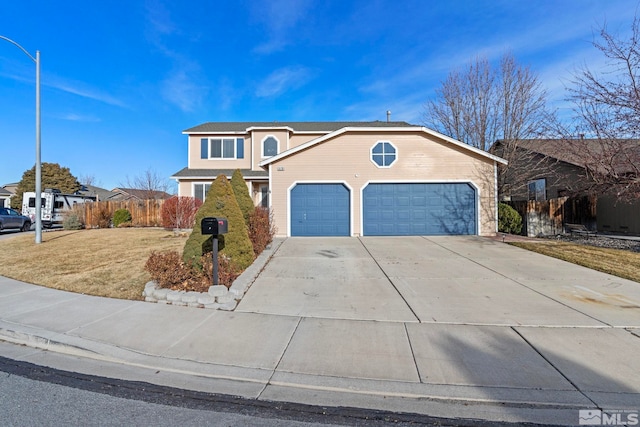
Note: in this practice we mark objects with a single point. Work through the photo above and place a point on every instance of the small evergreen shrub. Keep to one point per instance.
(235, 245)
(179, 212)
(121, 216)
(509, 220)
(261, 229)
(243, 197)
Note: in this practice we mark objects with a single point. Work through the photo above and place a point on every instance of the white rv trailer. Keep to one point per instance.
(53, 204)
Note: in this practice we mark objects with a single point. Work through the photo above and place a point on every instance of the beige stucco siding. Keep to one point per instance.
(346, 159)
(258, 137)
(299, 139)
(195, 162)
(252, 148)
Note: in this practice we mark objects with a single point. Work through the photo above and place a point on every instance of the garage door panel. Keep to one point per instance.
(320, 210)
(419, 209)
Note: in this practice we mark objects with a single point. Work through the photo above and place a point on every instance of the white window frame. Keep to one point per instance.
(383, 154)
(204, 194)
(221, 138)
(262, 146)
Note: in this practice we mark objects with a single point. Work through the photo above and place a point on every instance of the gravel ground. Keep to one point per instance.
(600, 241)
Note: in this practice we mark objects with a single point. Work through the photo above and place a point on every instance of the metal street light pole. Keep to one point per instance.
(38, 161)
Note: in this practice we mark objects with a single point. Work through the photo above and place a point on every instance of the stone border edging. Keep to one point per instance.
(218, 297)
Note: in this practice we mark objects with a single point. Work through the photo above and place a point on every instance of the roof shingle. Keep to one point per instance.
(241, 127)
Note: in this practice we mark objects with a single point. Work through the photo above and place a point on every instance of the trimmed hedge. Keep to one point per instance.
(235, 245)
(509, 220)
(243, 197)
(121, 216)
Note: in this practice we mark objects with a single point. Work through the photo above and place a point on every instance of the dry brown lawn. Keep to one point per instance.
(621, 263)
(110, 262)
(102, 262)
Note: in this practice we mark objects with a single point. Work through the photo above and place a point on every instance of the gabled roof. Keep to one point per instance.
(140, 194)
(213, 173)
(98, 192)
(407, 128)
(583, 151)
(310, 127)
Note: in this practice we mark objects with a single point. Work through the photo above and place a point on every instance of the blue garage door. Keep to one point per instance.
(419, 209)
(320, 210)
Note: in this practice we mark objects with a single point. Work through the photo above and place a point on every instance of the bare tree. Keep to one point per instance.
(482, 104)
(149, 182)
(88, 179)
(607, 112)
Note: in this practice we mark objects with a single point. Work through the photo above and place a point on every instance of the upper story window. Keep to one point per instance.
(269, 146)
(222, 148)
(383, 154)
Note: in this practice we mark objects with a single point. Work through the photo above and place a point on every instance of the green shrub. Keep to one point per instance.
(509, 220)
(243, 197)
(121, 216)
(235, 245)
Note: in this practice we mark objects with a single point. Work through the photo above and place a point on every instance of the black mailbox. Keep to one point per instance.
(214, 226)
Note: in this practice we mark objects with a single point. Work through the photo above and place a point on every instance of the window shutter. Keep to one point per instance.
(240, 148)
(204, 142)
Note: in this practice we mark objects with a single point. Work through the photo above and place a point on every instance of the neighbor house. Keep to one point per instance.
(349, 178)
(5, 197)
(544, 169)
(7, 191)
(120, 193)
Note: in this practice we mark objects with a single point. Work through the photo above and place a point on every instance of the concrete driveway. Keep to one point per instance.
(453, 280)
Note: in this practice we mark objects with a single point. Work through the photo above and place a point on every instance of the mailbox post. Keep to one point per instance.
(214, 227)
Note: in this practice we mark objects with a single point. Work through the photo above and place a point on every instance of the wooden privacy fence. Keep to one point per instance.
(545, 218)
(144, 213)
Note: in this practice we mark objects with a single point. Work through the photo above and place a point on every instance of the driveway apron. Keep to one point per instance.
(453, 280)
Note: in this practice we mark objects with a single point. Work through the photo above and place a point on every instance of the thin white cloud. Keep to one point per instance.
(74, 117)
(82, 90)
(282, 80)
(279, 18)
(181, 90)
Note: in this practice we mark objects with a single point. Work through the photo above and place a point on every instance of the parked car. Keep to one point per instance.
(11, 218)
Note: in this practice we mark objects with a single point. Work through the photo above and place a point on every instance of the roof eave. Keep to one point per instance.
(318, 140)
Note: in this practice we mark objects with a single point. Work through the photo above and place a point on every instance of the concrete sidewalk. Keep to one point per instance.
(450, 327)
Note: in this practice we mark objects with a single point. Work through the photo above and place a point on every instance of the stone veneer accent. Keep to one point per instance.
(218, 297)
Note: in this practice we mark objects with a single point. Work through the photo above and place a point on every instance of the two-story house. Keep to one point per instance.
(349, 178)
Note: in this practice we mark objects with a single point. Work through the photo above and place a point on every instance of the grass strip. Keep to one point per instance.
(618, 262)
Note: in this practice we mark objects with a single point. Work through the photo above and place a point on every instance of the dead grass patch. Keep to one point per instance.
(621, 263)
(103, 262)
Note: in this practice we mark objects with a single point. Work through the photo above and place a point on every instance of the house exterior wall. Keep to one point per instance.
(257, 138)
(562, 179)
(195, 162)
(299, 139)
(617, 217)
(346, 159)
(252, 148)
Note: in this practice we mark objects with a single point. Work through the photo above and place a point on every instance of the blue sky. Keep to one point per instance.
(122, 79)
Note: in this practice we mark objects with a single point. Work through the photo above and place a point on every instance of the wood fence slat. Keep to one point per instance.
(546, 218)
(144, 213)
